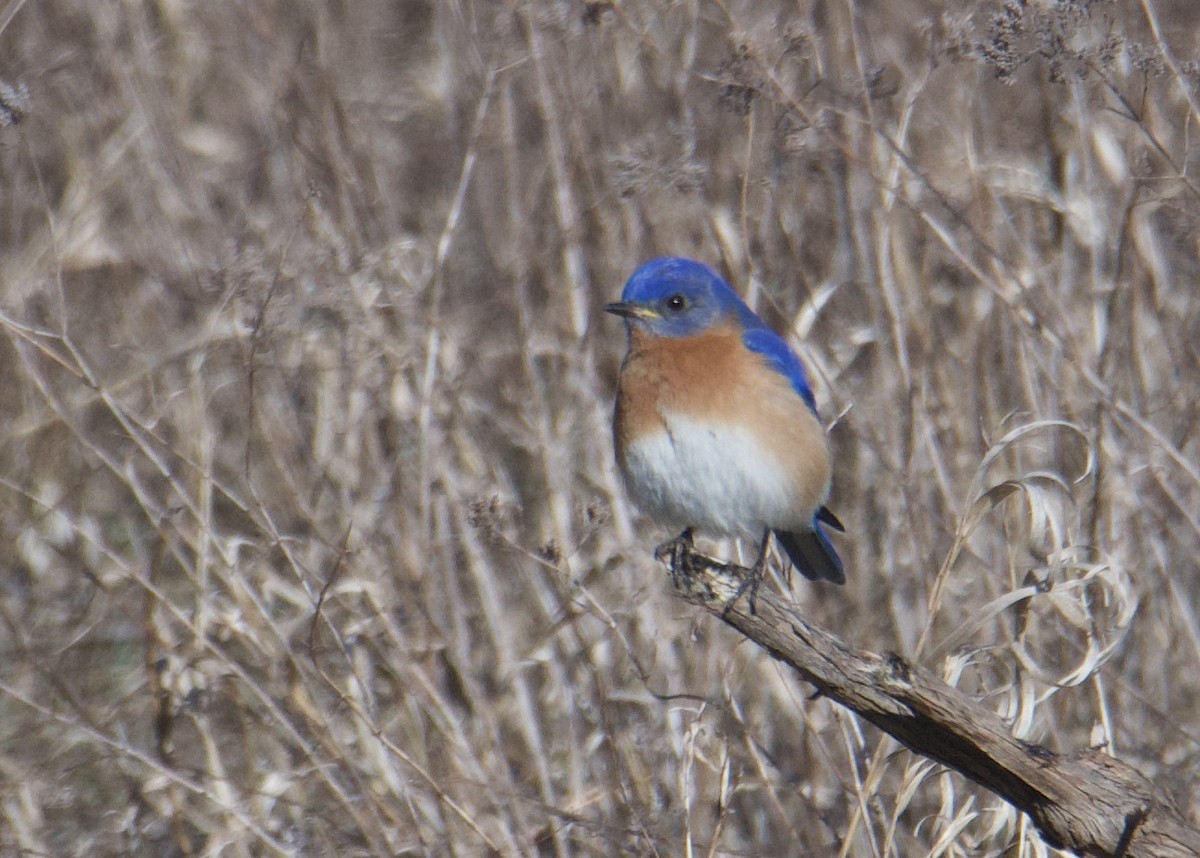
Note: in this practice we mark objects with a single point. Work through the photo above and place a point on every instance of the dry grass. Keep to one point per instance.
(315, 540)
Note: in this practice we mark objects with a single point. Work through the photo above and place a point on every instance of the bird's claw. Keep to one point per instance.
(752, 580)
(675, 553)
(749, 584)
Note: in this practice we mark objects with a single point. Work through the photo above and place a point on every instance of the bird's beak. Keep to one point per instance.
(628, 310)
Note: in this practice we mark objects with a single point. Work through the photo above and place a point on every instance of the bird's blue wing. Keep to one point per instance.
(781, 358)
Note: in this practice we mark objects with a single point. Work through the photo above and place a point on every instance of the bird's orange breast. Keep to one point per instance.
(712, 378)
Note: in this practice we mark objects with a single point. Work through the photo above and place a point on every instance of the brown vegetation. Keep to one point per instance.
(315, 542)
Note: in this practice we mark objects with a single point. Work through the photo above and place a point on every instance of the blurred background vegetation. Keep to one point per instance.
(314, 542)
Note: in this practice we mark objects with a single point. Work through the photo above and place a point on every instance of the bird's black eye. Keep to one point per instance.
(676, 303)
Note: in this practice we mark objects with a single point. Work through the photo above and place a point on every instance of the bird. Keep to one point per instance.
(716, 427)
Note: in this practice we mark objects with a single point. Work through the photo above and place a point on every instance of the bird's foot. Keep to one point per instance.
(751, 582)
(674, 552)
(748, 584)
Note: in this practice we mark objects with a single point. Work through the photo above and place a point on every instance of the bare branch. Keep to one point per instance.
(1087, 802)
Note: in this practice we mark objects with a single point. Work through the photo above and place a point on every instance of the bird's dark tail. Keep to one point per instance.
(812, 553)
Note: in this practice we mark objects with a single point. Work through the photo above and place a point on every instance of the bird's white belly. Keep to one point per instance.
(711, 476)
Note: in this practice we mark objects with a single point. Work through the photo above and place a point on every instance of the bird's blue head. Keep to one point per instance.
(674, 297)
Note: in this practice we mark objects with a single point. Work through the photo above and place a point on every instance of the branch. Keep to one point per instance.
(1085, 802)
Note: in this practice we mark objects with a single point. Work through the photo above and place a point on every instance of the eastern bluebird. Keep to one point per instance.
(716, 427)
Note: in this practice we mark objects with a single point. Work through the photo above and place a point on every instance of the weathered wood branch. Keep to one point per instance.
(1085, 802)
